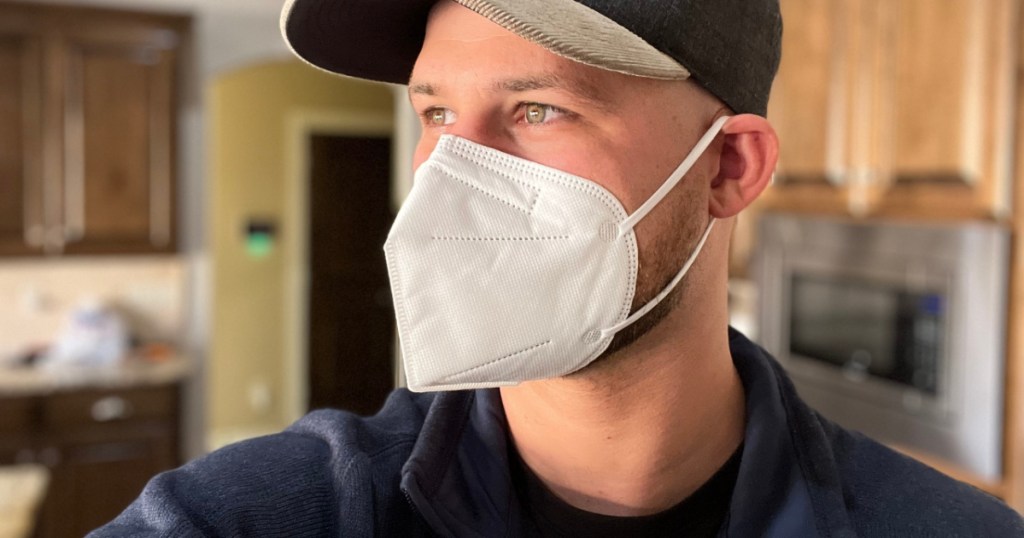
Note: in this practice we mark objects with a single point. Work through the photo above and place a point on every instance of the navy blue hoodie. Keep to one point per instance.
(437, 465)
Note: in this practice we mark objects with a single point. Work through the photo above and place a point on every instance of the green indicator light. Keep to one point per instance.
(259, 245)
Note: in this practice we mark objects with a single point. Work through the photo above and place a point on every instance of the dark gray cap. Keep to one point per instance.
(730, 47)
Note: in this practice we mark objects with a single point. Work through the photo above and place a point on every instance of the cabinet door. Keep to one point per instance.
(943, 115)
(118, 136)
(18, 426)
(93, 482)
(102, 446)
(22, 228)
(810, 106)
(903, 106)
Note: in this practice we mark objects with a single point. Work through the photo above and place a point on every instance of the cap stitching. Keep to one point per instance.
(670, 71)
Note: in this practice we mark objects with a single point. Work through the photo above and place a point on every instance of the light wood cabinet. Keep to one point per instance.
(87, 163)
(895, 108)
(908, 109)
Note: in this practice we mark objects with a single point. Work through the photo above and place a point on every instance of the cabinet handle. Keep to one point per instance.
(53, 241)
(49, 457)
(34, 171)
(160, 165)
(74, 153)
(111, 408)
(837, 159)
(74, 189)
(35, 235)
(24, 455)
(859, 196)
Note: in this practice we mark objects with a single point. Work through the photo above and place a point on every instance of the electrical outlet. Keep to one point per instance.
(33, 301)
(260, 398)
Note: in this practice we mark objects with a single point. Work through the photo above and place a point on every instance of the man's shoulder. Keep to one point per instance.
(398, 422)
(890, 494)
(330, 466)
(856, 481)
(335, 438)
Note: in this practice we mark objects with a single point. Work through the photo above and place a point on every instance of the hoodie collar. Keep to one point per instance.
(458, 475)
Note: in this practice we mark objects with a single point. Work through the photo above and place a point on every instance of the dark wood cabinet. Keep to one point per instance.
(101, 447)
(87, 155)
(21, 180)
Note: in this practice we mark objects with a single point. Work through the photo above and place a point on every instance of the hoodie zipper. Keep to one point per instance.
(429, 529)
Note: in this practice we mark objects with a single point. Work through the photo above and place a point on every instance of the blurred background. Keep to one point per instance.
(191, 223)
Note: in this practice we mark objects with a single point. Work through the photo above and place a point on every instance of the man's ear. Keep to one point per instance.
(748, 157)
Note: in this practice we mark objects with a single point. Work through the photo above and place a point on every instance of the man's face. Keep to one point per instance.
(481, 82)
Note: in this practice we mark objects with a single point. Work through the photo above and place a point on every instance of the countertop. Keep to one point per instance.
(21, 491)
(33, 381)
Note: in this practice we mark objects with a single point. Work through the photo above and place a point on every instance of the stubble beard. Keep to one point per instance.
(664, 260)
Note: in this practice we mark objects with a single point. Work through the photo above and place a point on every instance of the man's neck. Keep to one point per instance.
(643, 432)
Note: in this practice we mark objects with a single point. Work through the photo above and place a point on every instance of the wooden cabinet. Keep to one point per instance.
(895, 108)
(101, 447)
(908, 109)
(21, 179)
(87, 158)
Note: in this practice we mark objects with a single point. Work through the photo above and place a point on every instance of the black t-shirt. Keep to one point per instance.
(699, 515)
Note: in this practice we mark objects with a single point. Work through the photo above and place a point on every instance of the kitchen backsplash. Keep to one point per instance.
(36, 297)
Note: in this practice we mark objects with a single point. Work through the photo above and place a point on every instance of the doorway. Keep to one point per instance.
(338, 162)
(350, 339)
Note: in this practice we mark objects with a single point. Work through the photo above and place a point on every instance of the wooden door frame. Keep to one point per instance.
(300, 125)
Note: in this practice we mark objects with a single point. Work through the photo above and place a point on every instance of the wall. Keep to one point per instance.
(247, 173)
(38, 296)
(226, 35)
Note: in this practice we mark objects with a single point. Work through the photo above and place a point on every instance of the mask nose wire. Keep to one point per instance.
(674, 179)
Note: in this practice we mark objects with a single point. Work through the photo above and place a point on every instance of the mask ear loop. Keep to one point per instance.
(664, 293)
(643, 210)
(675, 178)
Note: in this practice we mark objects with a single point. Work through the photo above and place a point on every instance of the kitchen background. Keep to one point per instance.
(171, 177)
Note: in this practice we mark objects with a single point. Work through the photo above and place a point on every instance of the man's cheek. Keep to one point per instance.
(423, 150)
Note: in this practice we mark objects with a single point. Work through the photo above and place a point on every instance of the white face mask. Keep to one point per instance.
(504, 270)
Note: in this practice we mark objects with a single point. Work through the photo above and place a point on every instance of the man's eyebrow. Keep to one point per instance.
(577, 87)
(539, 82)
(422, 89)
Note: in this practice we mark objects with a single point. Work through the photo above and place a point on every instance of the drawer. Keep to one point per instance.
(18, 415)
(93, 407)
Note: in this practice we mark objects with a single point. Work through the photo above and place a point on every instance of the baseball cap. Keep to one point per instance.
(730, 47)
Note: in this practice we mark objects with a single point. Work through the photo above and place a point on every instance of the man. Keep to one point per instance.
(566, 242)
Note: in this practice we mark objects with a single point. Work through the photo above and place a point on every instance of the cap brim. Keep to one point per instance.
(380, 39)
(371, 39)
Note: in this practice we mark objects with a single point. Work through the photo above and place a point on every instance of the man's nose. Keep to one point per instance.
(484, 130)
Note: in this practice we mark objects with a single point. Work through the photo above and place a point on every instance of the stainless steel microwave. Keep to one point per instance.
(893, 329)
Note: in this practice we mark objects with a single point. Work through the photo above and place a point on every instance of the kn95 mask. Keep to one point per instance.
(504, 270)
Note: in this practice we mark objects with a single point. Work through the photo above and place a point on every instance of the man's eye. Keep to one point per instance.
(537, 113)
(439, 117)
